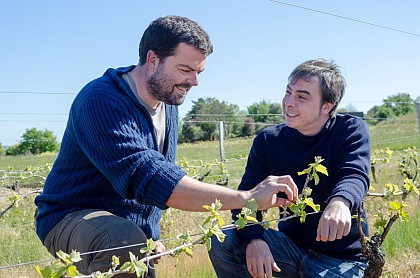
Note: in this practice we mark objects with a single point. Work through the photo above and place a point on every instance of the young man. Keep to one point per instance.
(327, 244)
(115, 171)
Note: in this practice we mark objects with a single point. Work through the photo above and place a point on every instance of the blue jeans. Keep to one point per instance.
(229, 259)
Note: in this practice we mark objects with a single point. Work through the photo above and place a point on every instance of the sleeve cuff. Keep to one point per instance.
(345, 195)
(162, 186)
(250, 232)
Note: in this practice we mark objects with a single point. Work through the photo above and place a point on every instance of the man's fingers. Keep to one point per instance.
(280, 202)
(347, 229)
(330, 229)
(260, 270)
(157, 260)
(259, 260)
(268, 268)
(275, 267)
(323, 230)
(288, 186)
(333, 233)
(249, 266)
(294, 188)
(256, 269)
(284, 184)
(272, 185)
(160, 248)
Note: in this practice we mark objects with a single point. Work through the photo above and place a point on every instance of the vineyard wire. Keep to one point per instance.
(224, 228)
(345, 18)
(234, 160)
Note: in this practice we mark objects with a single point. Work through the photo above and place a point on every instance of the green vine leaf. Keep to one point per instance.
(410, 186)
(321, 169)
(240, 223)
(72, 271)
(303, 200)
(134, 266)
(247, 215)
(219, 234)
(45, 272)
(184, 237)
(395, 206)
(310, 203)
(380, 224)
(314, 168)
(252, 205)
(391, 190)
(214, 209)
(185, 250)
(150, 246)
(398, 209)
(115, 262)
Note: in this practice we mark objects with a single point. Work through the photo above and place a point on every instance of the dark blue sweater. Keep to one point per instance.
(109, 159)
(344, 143)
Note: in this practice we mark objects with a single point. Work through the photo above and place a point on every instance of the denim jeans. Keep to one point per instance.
(229, 259)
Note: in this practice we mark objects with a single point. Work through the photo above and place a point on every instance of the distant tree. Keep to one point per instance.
(35, 142)
(401, 104)
(265, 112)
(1, 149)
(204, 114)
(190, 133)
(395, 105)
(14, 150)
(238, 125)
(380, 112)
(248, 128)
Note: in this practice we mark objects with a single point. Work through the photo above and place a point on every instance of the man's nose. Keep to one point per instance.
(289, 100)
(193, 79)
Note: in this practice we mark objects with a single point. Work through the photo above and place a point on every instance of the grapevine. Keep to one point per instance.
(371, 247)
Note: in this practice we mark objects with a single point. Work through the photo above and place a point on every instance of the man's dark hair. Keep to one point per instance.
(165, 33)
(330, 78)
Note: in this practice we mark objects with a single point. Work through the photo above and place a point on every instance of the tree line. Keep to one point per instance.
(201, 122)
(33, 142)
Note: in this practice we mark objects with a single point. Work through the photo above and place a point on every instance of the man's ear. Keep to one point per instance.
(326, 107)
(152, 60)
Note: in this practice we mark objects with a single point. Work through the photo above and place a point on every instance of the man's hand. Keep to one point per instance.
(259, 259)
(335, 221)
(265, 193)
(160, 248)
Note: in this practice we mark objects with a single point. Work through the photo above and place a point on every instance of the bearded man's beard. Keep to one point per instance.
(160, 87)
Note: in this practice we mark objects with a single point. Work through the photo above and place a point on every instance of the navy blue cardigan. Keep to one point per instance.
(344, 143)
(109, 159)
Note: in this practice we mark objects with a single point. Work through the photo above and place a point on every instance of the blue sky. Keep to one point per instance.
(56, 47)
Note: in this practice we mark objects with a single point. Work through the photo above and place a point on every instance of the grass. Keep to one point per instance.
(22, 162)
(402, 246)
(183, 266)
(236, 152)
(19, 243)
(404, 236)
(396, 133)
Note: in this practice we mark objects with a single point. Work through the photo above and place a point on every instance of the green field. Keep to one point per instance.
(19, 244)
